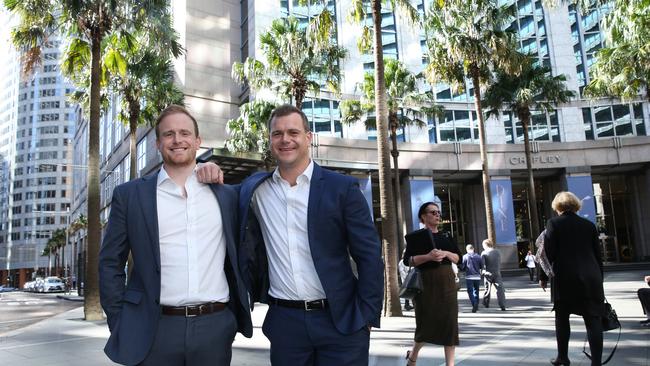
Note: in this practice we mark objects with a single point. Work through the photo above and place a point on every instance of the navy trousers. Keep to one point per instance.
(204, 340)
(309, 338)
(472, 291)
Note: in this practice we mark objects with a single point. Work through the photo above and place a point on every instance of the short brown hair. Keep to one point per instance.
(287, 109)
(566, 201)
(174, 109)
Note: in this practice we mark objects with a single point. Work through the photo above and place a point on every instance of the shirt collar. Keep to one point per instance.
(163, 176)
(305, 176)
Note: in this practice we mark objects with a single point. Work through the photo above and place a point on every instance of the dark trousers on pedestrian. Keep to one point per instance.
(644, 297)
(472, 291)
(204, 340)
(309, 338)
(594, 336)
(531, 273)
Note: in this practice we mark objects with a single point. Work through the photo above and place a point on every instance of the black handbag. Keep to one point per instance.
(412, 285)
(609, 321)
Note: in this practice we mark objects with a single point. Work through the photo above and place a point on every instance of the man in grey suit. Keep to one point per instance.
(184, 300)
(491, 259)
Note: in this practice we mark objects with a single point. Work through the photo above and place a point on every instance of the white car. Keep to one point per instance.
(29, 286)
(52, 284)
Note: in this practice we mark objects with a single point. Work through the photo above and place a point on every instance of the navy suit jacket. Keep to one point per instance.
(133, 310)
(339, 227)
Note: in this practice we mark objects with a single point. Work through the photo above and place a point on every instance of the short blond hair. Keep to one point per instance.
(488, 243)
(566, 201)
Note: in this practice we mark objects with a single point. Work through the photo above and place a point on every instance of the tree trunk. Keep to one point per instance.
(487, 195)
(389, 238)
(392, 117)
(134, 116)
(532, 199)
(92, 307)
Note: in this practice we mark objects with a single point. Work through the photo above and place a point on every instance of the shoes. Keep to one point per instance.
(474, 308)
(409, 361)
(408, 308)
(556, 361)
(644, 322)
(503, 308)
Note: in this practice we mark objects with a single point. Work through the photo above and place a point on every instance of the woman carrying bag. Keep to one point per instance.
(436, 308)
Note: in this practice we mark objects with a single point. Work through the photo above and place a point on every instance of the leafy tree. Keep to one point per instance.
(622, 68)
(406, 107)
(294, 64)
(532, 88)
(89, 22)
(467, 38)
(360, 10)
(249, 131)
(55, 244)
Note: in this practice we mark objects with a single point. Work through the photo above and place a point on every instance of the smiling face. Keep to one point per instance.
(290, 141)
(177, 140)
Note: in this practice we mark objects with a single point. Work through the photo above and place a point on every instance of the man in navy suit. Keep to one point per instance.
(184, 300)
(300, 226)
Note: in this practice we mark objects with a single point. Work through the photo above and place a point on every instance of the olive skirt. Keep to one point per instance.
(436, 308)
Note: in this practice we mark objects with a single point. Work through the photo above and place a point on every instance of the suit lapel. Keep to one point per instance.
(315, 194)
(147, 194)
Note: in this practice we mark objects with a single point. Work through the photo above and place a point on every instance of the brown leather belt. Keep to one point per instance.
(300, 304)
(194, 310)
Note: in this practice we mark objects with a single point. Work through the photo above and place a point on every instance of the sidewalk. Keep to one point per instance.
(523, 335)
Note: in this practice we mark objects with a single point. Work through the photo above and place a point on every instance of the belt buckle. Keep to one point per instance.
(188, 315)
(309, 304)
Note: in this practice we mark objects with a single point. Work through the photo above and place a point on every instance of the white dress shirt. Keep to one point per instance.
(192, 243)
(282, 212)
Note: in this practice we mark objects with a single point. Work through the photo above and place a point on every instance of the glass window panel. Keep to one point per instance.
(640, 128)
(638, 111)
(589, 132)
(621, 112)
(462, 118)
(604, 130)
(463, 135)
(447, 134)
(538, 119)
(444, 95)
(624, 128)
(603, 114)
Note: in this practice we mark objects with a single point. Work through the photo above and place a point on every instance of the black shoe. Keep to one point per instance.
(408, 308)
(556, 361)
(644, 322)
(503, 308)
(474, 308)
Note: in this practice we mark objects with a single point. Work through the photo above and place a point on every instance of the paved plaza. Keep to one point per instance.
(523, 335)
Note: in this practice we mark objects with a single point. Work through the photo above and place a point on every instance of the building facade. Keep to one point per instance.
(597, 148)
(36, 129)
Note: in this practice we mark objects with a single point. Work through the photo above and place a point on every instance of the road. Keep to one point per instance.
(20, 309)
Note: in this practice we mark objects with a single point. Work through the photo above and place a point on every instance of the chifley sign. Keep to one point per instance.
(537, 159)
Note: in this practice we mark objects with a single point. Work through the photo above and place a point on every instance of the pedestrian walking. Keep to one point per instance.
(471, 264)
(436, 308)
(572, 248)
(403, 271)
(530, 265)
(492, 274)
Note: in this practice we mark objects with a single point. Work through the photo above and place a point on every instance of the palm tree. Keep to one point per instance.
(55, 244)
(249, 131)
(467, 38)
(533, 88)
(86, 24)
(294, 64)
(405, 108)
(621, 68)
(359, 12)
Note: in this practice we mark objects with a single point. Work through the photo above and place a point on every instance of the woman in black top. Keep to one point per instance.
(571, 245)
(436, 308)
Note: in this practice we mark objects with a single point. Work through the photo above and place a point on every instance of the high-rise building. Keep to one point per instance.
(597, 148)
(36, 129)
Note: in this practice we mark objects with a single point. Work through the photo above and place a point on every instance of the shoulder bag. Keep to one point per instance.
(412, 284)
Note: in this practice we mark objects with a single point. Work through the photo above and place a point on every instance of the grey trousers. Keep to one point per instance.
(204, 340)
(501, 292)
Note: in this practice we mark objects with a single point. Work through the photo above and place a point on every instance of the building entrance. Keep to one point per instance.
(614, 218)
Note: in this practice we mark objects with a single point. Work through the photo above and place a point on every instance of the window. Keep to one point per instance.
(142, 154)
(613, 120)
(48, 117)
(18, 197)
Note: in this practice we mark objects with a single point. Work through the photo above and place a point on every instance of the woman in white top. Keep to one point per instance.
(530, 264)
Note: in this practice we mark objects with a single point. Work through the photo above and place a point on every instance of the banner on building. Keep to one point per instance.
(421, 192)
(581, 186)
(503, 211)
(366, 188)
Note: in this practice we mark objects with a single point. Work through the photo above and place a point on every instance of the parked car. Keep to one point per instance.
(7, 289)
(29, 286)
(51, 284)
